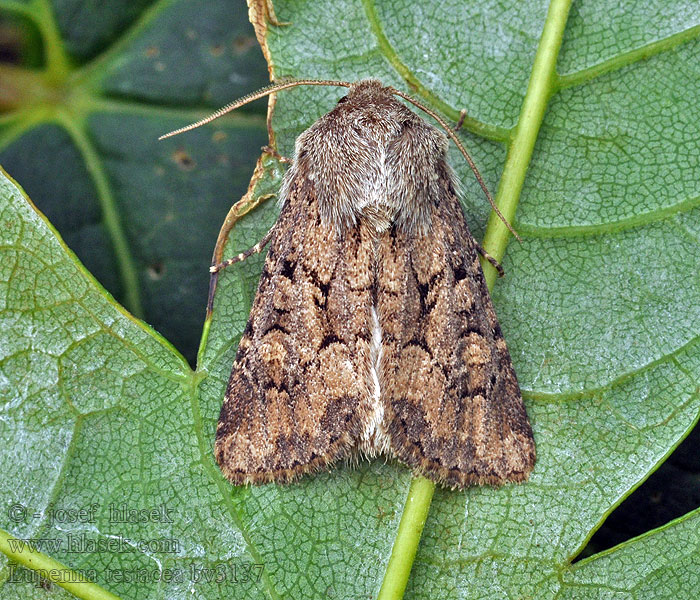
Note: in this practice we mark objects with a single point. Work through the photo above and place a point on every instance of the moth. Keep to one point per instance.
(372, 328)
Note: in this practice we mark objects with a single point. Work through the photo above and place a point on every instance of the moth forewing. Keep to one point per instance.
(372, 327)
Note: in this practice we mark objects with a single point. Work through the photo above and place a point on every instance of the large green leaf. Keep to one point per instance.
(599, 307)
(81, 136)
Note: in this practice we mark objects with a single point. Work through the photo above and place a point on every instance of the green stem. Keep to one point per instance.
(51, 569)
(58, 64)
(415, 512)
(126, 263)
(539, 89)
(520, 149)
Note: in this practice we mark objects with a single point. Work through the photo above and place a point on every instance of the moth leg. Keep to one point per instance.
(491, 259)
(215, 268)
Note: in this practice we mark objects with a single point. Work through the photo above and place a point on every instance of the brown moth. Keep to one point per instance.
(372, 328)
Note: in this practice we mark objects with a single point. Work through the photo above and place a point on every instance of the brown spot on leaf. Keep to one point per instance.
(156, 270)
(243, 43)
(184, 160)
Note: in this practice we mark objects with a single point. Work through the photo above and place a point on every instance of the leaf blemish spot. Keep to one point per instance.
(243, 43)
(156, 270)
(184, 160)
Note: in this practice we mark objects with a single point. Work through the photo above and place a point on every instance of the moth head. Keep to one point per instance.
(370, 109)
(366, 90)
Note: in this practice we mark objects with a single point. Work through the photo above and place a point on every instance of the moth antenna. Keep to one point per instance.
(261, 93)
(283, 85)
(453, 136)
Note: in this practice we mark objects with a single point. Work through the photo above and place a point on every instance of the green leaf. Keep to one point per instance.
(599, 318)
(661, 564)
(599, 306)
(81, 135)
